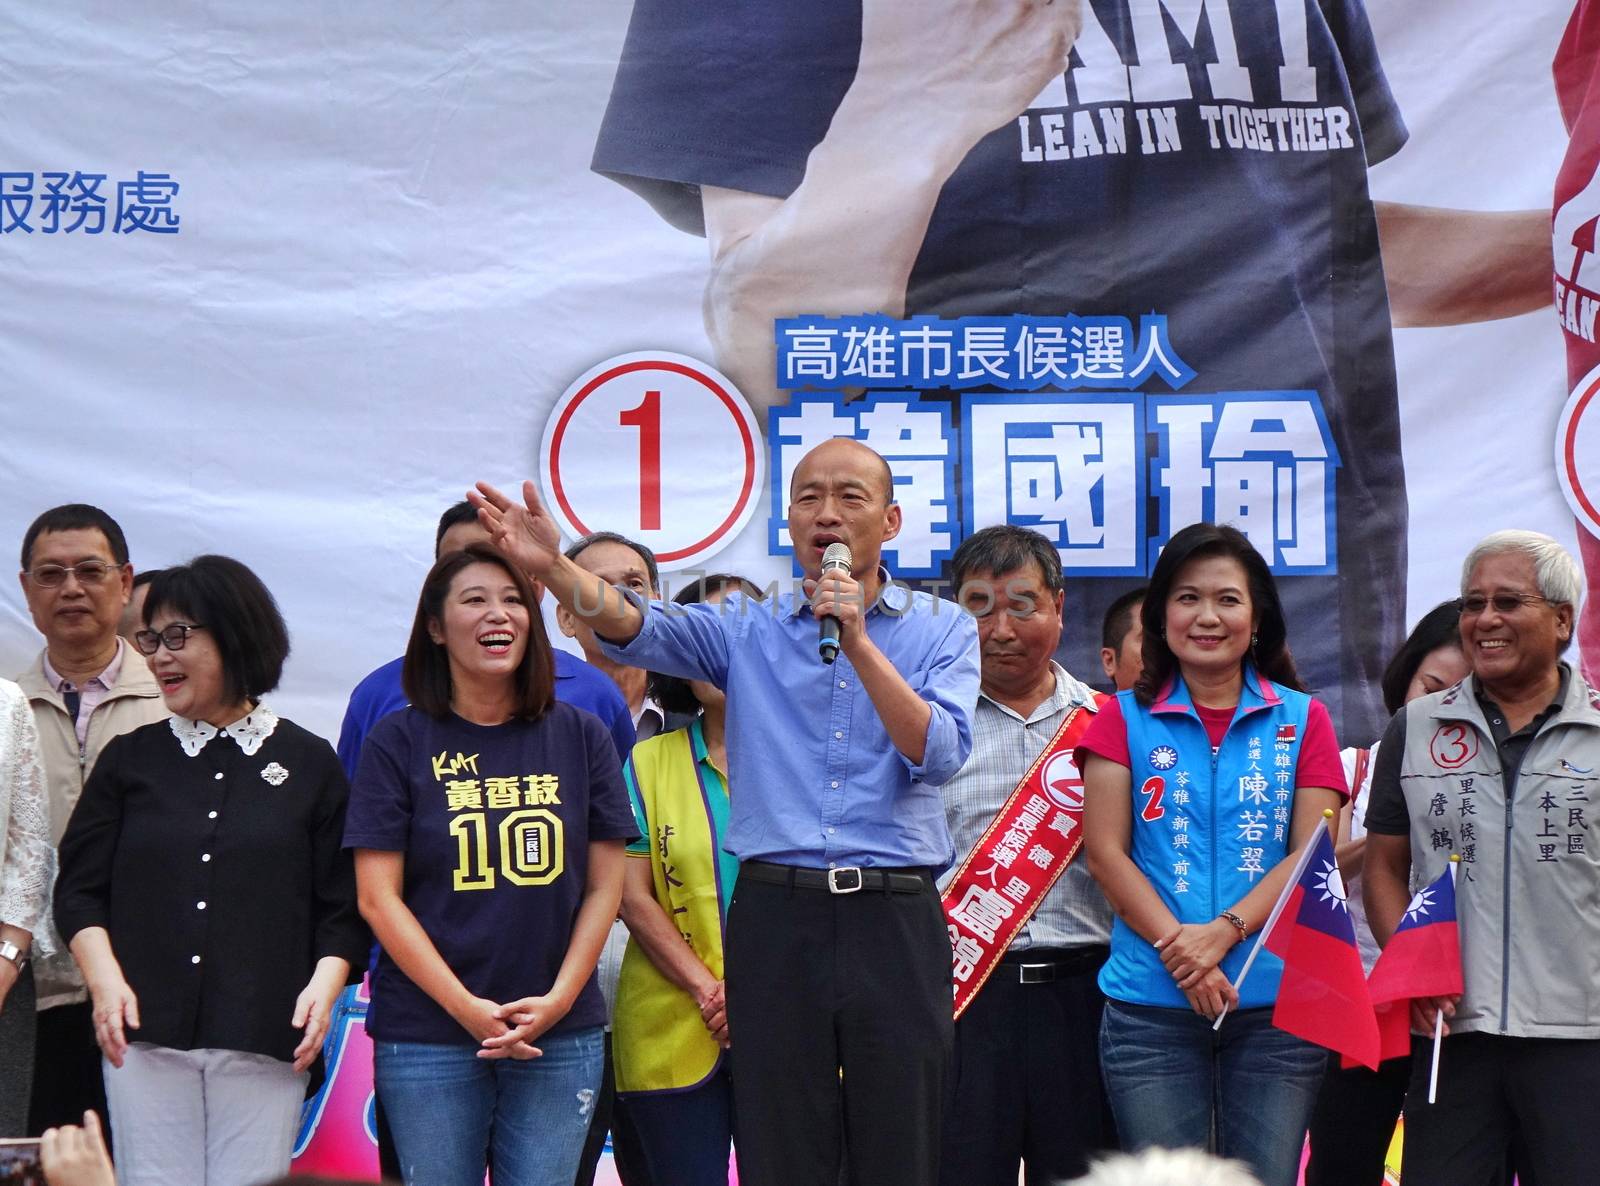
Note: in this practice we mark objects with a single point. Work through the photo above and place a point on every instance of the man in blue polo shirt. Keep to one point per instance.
(838, 963)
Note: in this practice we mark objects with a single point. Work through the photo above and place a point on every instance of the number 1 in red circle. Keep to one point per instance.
(647, 419)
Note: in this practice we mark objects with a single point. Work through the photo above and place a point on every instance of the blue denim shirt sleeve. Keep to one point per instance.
(689, 641)
(950, 686)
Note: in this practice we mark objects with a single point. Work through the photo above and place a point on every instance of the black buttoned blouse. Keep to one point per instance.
(219, 875)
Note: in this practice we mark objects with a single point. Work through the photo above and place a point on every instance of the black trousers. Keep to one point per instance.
(67, 1080)
(17, 1023)
(1025, 1080)
(611, 1115)
(1354, 1122)
(839, 1018)
(1493, 1088)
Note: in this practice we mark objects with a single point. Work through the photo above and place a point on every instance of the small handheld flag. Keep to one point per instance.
(1323, 994)
(1422, 959)
(1277, 908)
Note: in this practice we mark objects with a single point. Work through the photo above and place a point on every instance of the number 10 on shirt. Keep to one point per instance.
(527, 843)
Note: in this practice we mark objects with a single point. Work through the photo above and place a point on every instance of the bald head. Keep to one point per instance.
(842, 453)
(842, 492)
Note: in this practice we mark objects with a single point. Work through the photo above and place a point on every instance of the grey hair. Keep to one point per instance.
(1555, 571)
(1167, 1167)
(1006, 548)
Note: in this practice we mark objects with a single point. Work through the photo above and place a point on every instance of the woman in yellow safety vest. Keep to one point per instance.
(670, 1032)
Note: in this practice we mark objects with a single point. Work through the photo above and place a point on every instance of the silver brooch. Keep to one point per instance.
(274, 773)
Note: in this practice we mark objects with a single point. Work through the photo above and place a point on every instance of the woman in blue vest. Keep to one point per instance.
(1201, 782)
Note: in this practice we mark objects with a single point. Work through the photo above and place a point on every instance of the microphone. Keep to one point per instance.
(835, 558)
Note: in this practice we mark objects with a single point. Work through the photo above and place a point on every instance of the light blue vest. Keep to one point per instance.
(1206, 827)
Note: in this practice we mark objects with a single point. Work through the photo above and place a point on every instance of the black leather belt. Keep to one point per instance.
(846, 880)
(1044, 965)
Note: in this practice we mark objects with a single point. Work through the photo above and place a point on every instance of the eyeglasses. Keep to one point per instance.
(173, 638)
(1504, 603)
(90, 572)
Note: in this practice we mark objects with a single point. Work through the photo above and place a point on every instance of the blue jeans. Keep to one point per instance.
(1171, 1078)
(448, 1109)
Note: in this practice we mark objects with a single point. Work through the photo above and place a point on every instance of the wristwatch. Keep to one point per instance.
(10, 951)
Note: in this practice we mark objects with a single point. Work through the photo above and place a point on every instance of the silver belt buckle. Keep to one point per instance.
(833, 880)
(1036, 973)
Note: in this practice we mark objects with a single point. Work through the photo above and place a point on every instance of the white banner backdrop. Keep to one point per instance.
(392, 259)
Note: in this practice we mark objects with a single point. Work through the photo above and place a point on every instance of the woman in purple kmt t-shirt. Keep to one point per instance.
(488, 822)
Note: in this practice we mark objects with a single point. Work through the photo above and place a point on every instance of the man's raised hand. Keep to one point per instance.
(527, 534)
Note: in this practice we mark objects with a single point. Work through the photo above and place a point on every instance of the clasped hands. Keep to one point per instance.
(1192, 954)
(508, 1031)
(713, 1004)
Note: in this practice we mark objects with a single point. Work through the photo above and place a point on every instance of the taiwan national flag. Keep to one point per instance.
(1423, 959)
(1323, 995)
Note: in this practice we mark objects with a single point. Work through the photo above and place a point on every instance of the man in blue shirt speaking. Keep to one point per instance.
(838, 965)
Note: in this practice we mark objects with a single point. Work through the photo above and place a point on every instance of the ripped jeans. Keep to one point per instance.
(449, 1109)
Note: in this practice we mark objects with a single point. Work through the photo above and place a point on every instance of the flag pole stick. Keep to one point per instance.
(1438, 1017)
(1277, 907)
(1438, 1040)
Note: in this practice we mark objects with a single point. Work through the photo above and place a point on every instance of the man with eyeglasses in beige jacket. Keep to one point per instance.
(86, 687)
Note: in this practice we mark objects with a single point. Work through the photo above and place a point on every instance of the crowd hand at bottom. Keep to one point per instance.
(73, 1156)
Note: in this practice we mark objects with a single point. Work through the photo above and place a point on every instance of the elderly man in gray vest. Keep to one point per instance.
(1504, 770)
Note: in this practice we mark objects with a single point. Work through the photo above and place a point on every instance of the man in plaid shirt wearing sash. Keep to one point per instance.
(1025, 1081)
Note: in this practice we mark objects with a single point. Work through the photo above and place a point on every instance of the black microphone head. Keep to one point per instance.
(836, 556)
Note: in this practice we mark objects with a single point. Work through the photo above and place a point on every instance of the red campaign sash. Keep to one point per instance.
(1029, 844)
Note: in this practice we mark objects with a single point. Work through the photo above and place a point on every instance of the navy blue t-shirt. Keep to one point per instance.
(495, 824)
(1215, 174)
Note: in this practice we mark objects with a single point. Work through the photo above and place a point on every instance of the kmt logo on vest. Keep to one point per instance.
(1453, 745)
(1163, 757)
(1062, 783)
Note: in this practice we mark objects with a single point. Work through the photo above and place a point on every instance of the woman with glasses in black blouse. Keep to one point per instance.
(205, 895)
